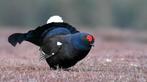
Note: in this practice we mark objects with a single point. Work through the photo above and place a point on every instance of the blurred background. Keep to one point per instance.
(119, 27)
(85, 13)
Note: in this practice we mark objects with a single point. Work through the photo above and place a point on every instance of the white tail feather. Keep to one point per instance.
(55, 18)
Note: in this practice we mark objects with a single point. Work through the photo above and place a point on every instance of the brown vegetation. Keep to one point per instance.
(111, 60)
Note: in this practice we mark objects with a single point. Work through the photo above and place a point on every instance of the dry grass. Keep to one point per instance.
(110, 60)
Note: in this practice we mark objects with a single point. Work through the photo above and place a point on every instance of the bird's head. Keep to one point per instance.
(88, 39)
(83, 40)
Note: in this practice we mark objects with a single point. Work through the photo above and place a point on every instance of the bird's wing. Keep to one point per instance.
(52, 26)
(35, 36)
(50, 48)
(53, 51)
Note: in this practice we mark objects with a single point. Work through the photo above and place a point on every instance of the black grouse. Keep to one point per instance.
(61, 45)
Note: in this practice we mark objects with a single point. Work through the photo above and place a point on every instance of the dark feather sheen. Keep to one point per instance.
(71, 48)
(35, 36)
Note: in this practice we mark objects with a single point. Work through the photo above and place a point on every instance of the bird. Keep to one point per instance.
(61, 44)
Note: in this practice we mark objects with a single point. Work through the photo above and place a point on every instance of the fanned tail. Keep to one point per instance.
(16, 38)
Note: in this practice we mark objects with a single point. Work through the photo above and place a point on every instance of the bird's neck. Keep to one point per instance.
(79, 44)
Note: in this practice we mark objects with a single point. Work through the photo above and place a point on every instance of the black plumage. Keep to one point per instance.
(60, 43)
